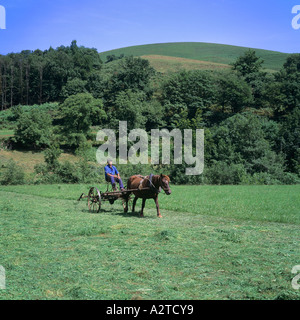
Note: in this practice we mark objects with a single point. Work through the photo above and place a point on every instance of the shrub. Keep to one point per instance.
(87, 172)
(51, 156)
(13, 174)
(260, 178)
(290, 178)
(53, 171)
(67, 172)
(222, 173)
(43, 175)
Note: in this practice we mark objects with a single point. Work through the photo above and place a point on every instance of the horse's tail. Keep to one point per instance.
(129, 183)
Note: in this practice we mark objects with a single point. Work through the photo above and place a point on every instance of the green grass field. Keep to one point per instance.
(213, 242)
(211, 52)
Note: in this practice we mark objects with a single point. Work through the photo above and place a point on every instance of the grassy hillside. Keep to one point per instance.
(174, 64)
(221, 242)
(28, 159)
(210, 52)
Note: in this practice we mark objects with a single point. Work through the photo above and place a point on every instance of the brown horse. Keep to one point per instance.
(149, 188)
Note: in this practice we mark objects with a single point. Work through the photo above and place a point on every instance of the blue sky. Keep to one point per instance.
(111, 24)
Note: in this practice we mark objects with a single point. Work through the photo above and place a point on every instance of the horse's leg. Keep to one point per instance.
(157, 207)
(126, 205)
(134, 203)
(143, 206)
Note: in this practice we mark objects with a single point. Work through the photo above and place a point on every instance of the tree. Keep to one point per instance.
(234, 93)
(190, 89)
(134, 73)
(12, 73)
(285, 91)
(248, 63)
(4, 64)
(85, 60)
(249, 67)
(39, 76)
(27, 72)
(34, 129)
(96, 85)
(292, 64)
(73, 87)
(40, 62)
(290, 140)
(78, 113)
(153, 111)
(241, 140)
(129, 107)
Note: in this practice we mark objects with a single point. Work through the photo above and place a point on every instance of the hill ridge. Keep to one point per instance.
(195, 42)
(203, 51)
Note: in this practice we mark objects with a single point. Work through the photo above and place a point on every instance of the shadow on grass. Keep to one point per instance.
(119, 212)
(113, 212)
(135, 214)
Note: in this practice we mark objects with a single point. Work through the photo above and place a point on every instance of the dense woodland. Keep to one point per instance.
(55, 99)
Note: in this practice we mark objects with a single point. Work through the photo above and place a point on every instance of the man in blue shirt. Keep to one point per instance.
(112, 175)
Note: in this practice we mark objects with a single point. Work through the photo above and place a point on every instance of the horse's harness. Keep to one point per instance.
(151, 185)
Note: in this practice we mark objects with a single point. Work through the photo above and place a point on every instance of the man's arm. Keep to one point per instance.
(112, 175)
(107, 173)
(117, 173)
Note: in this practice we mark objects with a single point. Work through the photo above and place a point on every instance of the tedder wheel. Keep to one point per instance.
(94, 200)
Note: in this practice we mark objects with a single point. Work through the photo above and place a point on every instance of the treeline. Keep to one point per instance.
(41, 76)
(36, 77)
(251, 117)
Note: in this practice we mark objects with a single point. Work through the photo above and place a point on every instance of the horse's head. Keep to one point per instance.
(164, 183)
